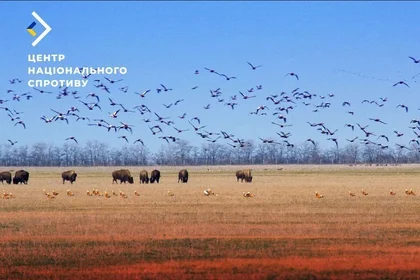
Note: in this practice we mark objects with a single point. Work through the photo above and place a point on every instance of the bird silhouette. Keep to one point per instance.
(112, 81)
(401, 83)
(12, 142)
(293, 74)
(253, 67)
(72, 138)
(414, 60)
(138, 140)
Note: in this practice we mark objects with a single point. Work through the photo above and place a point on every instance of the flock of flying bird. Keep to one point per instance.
(164, 127)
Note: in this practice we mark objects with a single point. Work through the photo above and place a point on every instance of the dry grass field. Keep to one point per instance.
(284, 232)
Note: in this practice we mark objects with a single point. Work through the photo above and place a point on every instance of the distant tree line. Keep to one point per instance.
(182, 152)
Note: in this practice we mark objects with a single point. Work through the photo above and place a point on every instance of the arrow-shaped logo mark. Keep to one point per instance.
(33, 33)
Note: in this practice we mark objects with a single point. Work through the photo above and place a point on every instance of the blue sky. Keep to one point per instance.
(165, 42)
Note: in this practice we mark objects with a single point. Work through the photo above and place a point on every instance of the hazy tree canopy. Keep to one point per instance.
(95, 153)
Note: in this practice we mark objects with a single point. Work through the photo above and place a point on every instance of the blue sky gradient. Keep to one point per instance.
(354, 50)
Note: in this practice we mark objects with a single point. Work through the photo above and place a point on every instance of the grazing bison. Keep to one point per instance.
(69, 176)
(244, 174)
(6, 176)
(123, 175)
(183, 176)
(240, 175)
(144, 177)
(247, 175)
(154, 176)
(21, 176)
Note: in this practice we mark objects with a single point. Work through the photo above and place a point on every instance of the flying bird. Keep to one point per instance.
(143, 94)
(227, 78)
(262, 107)
(178, 101)
(126, 127)
(93, 95)
(197, 119)
(112, 81)
(42, 91)
(180, 130)
(376, 120)
(123, 89)
(252, 66)
(124, 137)
(196, 128)
(293, 74)
(352, 140)
(232, 105)
(126, 110)
(246, 96)
(398, 133)
(21, 123)
(115, 114)
(401, 83)
(383, 136)
(164, 88)
(211, 70)
(414, 60)
(91, 106)
(310, 140)
(403, 106)
(349, 125)
(12, 142)
(112, 102)
(72, 138)
(334, 140)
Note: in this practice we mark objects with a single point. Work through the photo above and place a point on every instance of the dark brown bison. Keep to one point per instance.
(240, 175)
(144, 177)
(69, 176)
(244, 174)
(183, 176)
(247, 175)
(123, 175)
(21, 176)
(6, 176)
(154, 176)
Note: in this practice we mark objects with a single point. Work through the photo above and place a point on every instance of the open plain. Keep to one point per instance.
(284, 232)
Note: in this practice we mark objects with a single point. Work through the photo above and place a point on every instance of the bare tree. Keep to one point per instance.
(182, 152)
(38, 154)
(248, 151)
(95, 153)
(351, 153)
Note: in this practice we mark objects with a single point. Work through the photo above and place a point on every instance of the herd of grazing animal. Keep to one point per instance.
(124, 176)
(21, 176)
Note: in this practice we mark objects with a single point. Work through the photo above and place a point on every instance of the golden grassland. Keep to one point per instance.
(282, 232)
